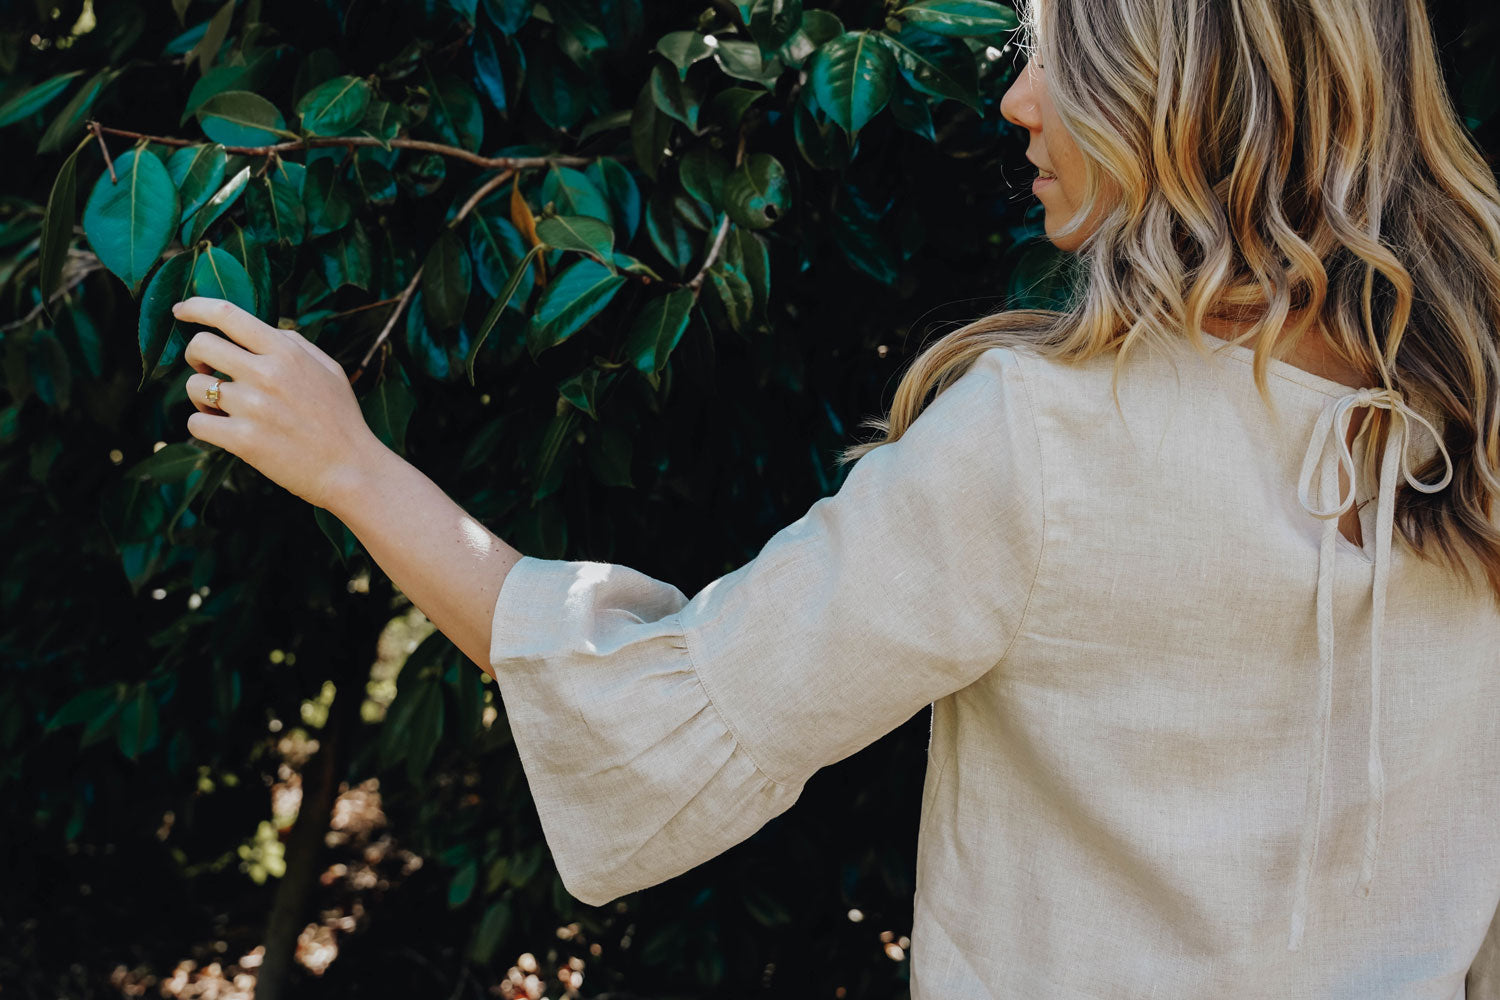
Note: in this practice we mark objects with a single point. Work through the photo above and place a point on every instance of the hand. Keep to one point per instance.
(289, 409)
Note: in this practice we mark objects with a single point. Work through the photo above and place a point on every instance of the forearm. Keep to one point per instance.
(447, 563)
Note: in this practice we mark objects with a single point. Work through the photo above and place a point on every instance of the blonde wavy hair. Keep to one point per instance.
(1330, 185)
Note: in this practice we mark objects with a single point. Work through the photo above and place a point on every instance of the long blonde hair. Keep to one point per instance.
(1330, 184)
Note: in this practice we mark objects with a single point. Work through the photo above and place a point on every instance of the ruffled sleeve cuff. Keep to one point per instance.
(635, 775)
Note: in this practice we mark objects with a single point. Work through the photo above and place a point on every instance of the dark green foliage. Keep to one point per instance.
(646, 347)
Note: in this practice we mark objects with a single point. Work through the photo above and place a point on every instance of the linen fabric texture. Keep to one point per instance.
(1154, 769)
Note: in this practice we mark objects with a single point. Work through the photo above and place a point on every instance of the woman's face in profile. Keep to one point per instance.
(1051, 149)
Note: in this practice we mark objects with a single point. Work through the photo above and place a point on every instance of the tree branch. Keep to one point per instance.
(94, 127)
(350, 141)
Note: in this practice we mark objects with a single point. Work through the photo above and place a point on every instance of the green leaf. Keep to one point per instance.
(558, 89)
(85, 706)
(171, 284)
(666, 226)
(495, 924)
(573, 298)
(57, 225)
(959, 17)
(426, 728)
(773, 22)
(522, 270)
(430, 355)
(550, 465)
(509, 15)
(755, 261)
(488, 72)
(744, 61)
(326, 198)
(461, 887)
(911, 111)
(573, 193)
(334, 106)
(216, 206)
(756, 193)
(129, 223)
(729, 105)
(934, 64)
(241, 118)
(852, 77)
(674, 97)
(578, 232)
(620, 190)
(657, 330)
(198, 172)
(217, 275)
(684, 48)
(454, 114)
(137, 730)
(69, 121)
(702, 173)
(387, 409)
(581, 390)
(650, 131)
(252, 258)
(275, 208)
(348, 261)
(172, 464)
(338, 534)
(33, 99)
(496, 246)
(729, 296)
(824, 145)
(207, 49)
(446, 280)
(102, 725)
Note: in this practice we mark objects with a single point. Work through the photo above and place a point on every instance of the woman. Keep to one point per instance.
(1204, 722)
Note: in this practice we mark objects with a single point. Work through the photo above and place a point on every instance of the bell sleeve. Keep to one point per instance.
(656, 732)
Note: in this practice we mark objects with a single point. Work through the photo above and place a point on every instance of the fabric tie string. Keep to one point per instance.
(1333, 423)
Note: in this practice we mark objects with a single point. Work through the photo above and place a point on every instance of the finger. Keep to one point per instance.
(317, 352)
(210, 428)
(208, 352)
(241, 327)
(197, 387)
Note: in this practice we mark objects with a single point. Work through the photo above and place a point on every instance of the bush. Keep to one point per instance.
(614, 275)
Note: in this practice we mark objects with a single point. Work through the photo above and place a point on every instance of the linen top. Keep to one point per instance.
(1187, 739)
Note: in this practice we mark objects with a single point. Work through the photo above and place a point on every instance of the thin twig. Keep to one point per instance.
(390, 324)
(357, 309)
(478, 196)
(73, 282)
(411, 287)
(105, 150)
(349, 141)
(696, 284)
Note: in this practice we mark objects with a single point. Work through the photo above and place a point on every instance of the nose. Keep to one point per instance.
(1019, 106)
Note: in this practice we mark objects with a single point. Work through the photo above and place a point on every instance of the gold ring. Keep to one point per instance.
(212, 392)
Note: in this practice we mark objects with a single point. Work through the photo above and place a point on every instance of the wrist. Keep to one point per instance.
(354, 478)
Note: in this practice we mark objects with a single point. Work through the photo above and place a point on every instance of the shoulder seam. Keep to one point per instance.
(1041, 550)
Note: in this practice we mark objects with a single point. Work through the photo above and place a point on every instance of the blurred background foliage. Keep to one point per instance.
(622, 278)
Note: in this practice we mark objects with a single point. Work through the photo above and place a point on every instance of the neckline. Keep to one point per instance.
(1283, 369)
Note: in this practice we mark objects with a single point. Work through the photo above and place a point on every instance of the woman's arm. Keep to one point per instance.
(446, 562)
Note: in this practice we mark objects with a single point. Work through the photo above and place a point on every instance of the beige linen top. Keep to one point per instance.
(1154, 768)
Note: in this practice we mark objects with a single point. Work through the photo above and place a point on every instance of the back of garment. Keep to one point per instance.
(1187, 740)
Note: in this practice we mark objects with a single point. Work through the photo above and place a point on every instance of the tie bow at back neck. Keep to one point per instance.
(1333, 424)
